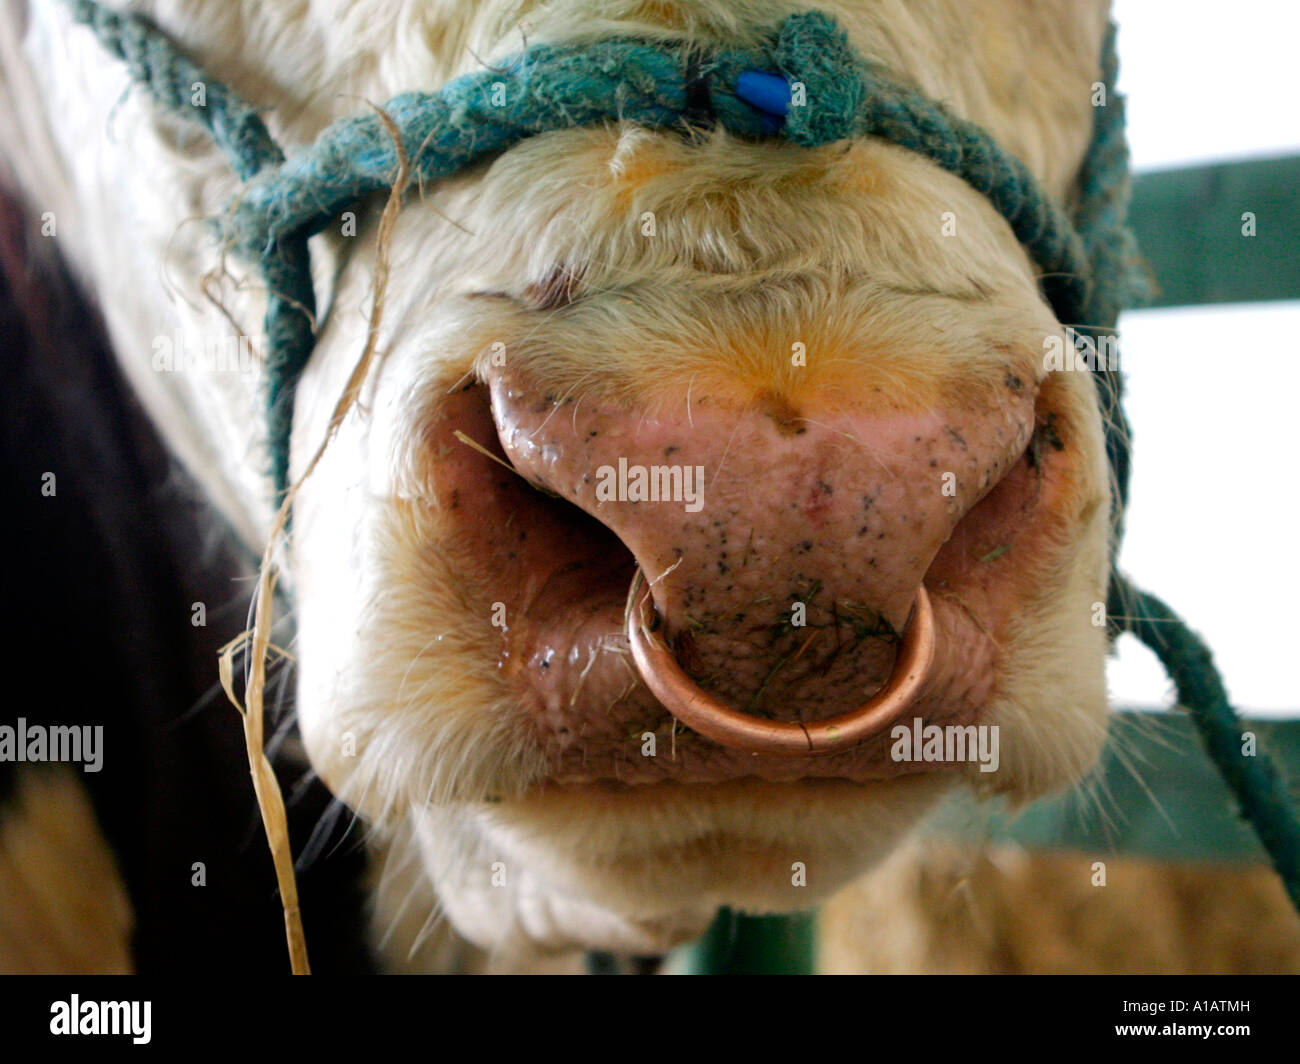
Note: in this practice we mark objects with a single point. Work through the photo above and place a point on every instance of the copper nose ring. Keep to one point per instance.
(740, 731)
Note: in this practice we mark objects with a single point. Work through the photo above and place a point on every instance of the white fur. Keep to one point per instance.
(391, 642)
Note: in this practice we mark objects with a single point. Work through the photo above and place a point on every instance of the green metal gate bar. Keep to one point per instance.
(1191, 225)
(736, 944)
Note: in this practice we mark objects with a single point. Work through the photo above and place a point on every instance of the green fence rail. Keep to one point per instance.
(1193, 227)
(752, 945)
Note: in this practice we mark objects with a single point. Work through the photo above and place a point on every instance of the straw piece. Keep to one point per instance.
(269, 798)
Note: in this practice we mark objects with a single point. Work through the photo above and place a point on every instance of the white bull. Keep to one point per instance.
(463, 679)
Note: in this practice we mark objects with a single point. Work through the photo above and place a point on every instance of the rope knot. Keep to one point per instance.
(826, 79)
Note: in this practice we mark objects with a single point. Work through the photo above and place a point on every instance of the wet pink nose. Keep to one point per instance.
(784, 545)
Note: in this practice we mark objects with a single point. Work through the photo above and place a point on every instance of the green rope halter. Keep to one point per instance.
(1088, 263)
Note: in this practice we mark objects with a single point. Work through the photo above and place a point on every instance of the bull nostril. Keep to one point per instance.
(697, 710)
(786, 543)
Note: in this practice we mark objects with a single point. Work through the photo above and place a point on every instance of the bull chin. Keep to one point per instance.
(580, 869)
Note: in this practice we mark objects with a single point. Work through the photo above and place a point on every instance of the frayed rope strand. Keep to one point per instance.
(269, 797)
(1261, 792)
(174, 80)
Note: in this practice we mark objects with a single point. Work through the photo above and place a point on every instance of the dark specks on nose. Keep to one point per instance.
(1046, 434)
(797, 497)
(818, 503)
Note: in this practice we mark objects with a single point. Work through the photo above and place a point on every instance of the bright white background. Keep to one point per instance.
(1214, 393)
